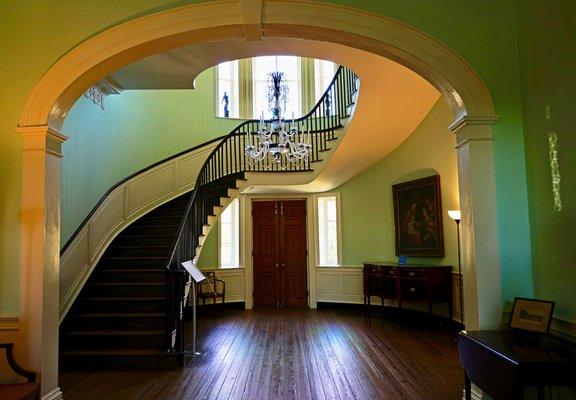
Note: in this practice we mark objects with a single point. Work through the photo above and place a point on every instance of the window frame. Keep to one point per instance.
(339, 256)
(240, 244)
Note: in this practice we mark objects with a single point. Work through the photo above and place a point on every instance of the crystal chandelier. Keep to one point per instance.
(278, 143)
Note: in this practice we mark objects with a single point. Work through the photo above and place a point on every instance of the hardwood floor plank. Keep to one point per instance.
(293, 354)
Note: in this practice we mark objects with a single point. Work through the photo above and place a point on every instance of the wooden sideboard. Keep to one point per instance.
(428, 284)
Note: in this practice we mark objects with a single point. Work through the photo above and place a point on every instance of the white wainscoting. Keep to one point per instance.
(121, 207)
(235, 283)
(339, 285)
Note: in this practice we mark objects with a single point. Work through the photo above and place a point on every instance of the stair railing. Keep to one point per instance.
(226, 164)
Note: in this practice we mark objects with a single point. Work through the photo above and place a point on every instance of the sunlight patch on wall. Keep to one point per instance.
(555, 169)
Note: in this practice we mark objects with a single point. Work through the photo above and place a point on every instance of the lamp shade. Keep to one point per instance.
(454, 214)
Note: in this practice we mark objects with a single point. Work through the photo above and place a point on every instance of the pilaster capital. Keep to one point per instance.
(42, 137)
(469, 129)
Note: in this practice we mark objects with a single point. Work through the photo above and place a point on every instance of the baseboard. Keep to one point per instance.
(55, 394)
(9, 323)
(392, 312)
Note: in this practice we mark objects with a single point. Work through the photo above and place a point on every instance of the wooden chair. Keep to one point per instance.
(211, 288)
(19, 391)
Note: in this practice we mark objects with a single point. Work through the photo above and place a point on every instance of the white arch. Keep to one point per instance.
(52, 97)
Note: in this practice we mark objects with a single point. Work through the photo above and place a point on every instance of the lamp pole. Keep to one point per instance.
(456, 216)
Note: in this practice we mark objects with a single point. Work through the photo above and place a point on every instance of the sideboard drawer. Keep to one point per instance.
(412, 273)
(415, 290)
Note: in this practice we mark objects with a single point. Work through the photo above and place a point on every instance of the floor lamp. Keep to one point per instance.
(456, 216)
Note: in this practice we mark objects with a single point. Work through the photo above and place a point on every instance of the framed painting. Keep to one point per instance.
(418, 218)
(531, 315)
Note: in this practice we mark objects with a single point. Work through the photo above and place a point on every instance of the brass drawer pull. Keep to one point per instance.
(391, 272)
(412, 290)
(411, 273)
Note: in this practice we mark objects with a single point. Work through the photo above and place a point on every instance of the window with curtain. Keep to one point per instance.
(306, 80)
(327, 231)
(230, 236)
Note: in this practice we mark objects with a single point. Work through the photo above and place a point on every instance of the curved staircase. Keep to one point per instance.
(130, 311)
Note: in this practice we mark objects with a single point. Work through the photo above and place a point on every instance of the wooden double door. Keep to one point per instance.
(279, 253)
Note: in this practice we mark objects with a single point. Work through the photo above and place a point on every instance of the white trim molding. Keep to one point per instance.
(9, 323)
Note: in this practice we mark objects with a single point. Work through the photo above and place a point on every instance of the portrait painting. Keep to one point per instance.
(418, 218)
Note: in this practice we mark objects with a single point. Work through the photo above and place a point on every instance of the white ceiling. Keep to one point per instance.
(393, 100)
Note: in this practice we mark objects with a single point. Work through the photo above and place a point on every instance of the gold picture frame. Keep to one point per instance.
(531, 315)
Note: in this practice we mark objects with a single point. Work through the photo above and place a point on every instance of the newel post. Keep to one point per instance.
(479, 228)
(40, 253)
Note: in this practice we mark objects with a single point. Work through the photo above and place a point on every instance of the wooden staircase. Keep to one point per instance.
(120, 317)
(130, 311)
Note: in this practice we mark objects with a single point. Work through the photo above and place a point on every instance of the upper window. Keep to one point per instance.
(328, 231)
(230, 236)
(228, 96)
(242, 86)
(261, 67)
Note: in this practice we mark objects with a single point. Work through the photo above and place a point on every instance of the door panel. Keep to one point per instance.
(280, 256)
(293, 252)
(266, 253)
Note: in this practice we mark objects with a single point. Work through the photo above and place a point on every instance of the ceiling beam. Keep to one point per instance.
(251, 11)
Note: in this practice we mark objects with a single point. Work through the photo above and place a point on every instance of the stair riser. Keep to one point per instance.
(150, 230)
(123, 291)
(129, 277)
(71, 342)
(114, 263)
(87, 306)
(145, 241)
(138, 251)
(169, 212)
(111, 323)
(153, 220)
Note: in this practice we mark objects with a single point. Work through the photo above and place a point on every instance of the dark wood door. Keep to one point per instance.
(280, 254)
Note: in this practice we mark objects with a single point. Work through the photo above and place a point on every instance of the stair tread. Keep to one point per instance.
(123, 270)
(128, 246)
(119, 314)
(128, 283)
(118, 332)
(135, 257)
(129, 351)
(116, 298)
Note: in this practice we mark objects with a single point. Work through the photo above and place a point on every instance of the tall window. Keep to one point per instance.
(230, 236)
(328, 231)
(228, 86)
(323, 74)
(261, 67)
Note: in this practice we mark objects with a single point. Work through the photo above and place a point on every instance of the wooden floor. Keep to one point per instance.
(295, 354)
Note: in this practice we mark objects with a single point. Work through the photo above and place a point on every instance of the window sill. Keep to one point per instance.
(329, 266)
(232, 118)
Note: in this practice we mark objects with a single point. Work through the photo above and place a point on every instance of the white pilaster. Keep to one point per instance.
(40, 252)
(480, 254)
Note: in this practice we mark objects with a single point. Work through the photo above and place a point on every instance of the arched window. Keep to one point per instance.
(245, 84)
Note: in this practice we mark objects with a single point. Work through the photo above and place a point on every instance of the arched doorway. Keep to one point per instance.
(50, 100)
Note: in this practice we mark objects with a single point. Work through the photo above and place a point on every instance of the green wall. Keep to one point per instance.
(547, 41)
(136, 129)
(36, 33)
(366, 200)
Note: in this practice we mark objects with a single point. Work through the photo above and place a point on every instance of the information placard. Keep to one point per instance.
(193, 270)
